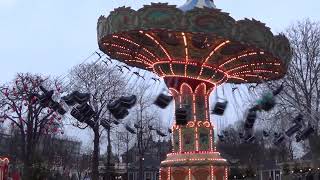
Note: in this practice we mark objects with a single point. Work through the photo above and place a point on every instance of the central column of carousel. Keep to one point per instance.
(194, 155)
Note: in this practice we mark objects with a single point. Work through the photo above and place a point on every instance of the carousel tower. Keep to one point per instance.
(195, 48)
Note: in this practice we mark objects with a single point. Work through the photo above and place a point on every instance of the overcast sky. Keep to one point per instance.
(51, 36)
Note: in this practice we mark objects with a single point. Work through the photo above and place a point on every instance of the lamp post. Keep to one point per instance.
(106, 123)
(139, 128)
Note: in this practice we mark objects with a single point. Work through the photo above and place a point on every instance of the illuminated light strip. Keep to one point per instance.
(4, 168)
(190, 63)
(222, 79)
(239, 57)
(248, 71)
(211, 173)
(160, 174)
(257, 70)
(132, 42)
(169, 173)
(215, 50)
(194, 106)
(144, 61)
(254, 75)
(226, 173)
(211, 140)
(193, 152)
(189, 174)
(121, 47)
(179, 62)
(206, 108)
(201, 84)
(125, 54)
(186, 51)
(172, 142)
(129, 55)
(147, 59)
(215, 69)
(180, 140)
(118, 46)
(236, 68)
(185, 84)
(191, 124)
(133, 60)
(163, 49)
(195, 159)
(198, 123)
(161, 71)
(236, 77)
(211, 53)
(173, 89)
(5, 160)
(150, 53)
(244, 66)
(197, 139)
(190, 78)
(206, 124)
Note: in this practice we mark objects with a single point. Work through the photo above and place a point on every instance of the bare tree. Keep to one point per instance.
(104, 84)
(21, 108)
(301, 92)
(250, 154)
(145, 117)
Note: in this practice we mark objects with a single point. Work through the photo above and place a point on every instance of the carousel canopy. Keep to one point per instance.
(196, 43)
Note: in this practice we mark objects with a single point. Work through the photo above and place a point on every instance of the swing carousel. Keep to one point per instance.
(194, 48)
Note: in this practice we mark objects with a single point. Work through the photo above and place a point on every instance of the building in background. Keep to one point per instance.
(151, 160)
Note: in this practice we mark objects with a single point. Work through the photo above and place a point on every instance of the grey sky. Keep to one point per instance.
(50, 36)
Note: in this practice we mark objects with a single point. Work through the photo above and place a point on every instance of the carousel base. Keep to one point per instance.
(194, 166)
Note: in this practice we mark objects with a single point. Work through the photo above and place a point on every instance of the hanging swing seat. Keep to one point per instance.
(219, 108)
(163, 100)
(181, 116)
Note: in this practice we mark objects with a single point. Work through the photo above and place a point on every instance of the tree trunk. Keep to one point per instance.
(27, 170)
(140, 146)
(109, 154)
(315, 147)
(95, 155)
(27, 152)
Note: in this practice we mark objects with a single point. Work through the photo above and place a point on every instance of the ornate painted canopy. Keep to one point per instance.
(201, 43)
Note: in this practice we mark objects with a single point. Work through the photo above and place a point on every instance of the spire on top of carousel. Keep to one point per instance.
(191, 4)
